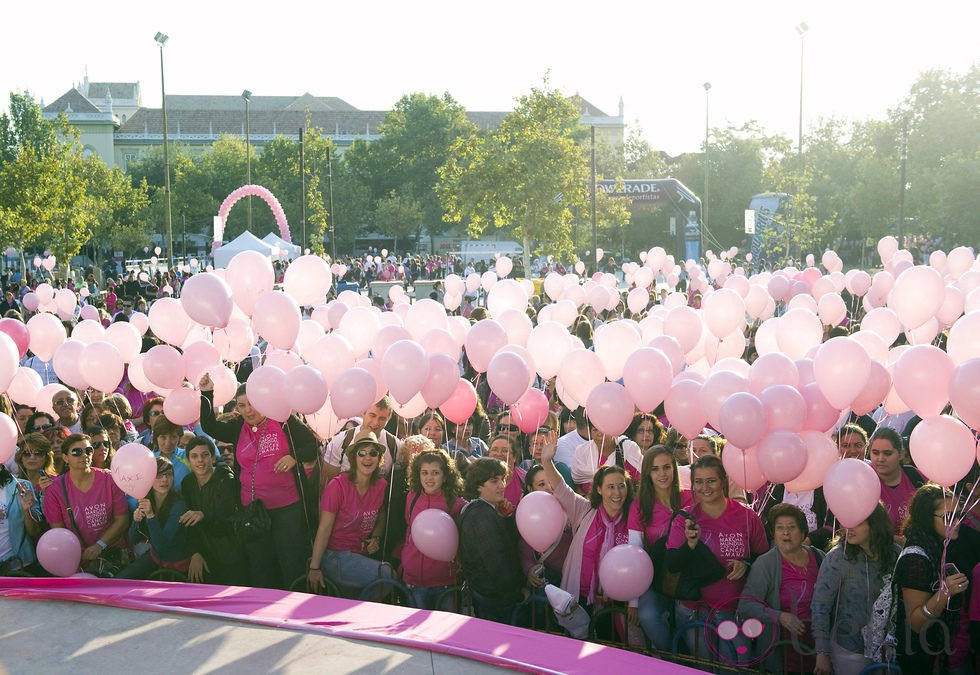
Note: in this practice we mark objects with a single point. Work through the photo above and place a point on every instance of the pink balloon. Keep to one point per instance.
(797, 331)
(306, 389)
(18, 333)
(717, 388)
(435, 535)
(331, 355)
(360, 325)
(44, 396)
(841, 369)
(531, 411)
(124, 336)
(943, 448)
(206, 298)
(782, 456)
(8, 437)
(373, 367)
(684, 325)
(353, 391)
(921, 378)
(436, 341)
(134, 468)
(182, 406)
(647, 375)
(8, 360)
(24, 386)
(276, 318)
(964, 392)
(778, 287)
(249, 275)
(140, 322)
(324, 422)
(742, 466)
(169, 321)
(625, 572)
(743, 419)
(225, 384)
(441, 381)
(47, 333)
(772, 369)
(508, 376)
(540, 520)
(821, 454)
(852, 490)
(484, 339)
(198, 358)
(724, 311)
(163, 367)
(549, 343)
(875, 390)
(460, 406)
(610, 408)
(820, 415)
(67, 363)
(785, 407)
(405, 369)
(59, 551)
(683, 408)
(423, 316)
(266, 391)
(102, 366)
(917, 295)
(307, 280)
(671, 348)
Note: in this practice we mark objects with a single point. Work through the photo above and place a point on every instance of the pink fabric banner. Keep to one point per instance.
(442, 632)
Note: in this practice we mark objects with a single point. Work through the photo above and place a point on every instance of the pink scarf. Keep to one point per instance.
(608, 543)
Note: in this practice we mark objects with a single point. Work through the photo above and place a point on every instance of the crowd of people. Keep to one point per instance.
(763, 577)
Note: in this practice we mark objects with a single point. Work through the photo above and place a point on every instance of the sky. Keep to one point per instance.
(859, 57)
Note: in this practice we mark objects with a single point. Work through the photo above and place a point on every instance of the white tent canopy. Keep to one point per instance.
(246, 241)
(292, 250)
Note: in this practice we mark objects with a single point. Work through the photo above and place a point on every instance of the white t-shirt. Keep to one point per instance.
(565, 451)
(335, 455)
(586, 460)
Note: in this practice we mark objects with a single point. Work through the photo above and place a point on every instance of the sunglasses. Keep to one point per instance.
(101, 444)
(44, 427)
(544, 430)
(63, 401)
(78, 452)
(156, 413)
(35, 453)
(509, 427)
(368, 453)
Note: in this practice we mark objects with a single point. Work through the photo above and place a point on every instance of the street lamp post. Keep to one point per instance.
(704, 201)
(161, 40)
(247, 95)
(802, 29)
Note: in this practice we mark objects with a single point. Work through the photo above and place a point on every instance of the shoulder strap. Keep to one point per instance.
(71, 515)
(913, 475)
(348, 437)
(620, 457)
(415, 500)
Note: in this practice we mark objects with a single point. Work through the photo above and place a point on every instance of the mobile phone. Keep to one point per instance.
(949, 569)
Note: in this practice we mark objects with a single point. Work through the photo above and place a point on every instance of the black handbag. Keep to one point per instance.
(700, 570)
(252, 521)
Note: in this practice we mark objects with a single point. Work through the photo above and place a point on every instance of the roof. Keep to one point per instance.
(118, 90)
(586, 107)
(73, 100)
(255, 103)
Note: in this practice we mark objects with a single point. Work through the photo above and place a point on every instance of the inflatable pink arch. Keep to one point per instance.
(254, 191)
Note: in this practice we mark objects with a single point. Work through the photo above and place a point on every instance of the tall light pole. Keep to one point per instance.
(247, 95)
(704, 201)
(161, 40)
(802, 29)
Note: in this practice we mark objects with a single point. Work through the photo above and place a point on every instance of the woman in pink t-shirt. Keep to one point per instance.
(99, 514)
(659, 496)
(433, 483)
(352, 520)
(735, 535)
(898, 482)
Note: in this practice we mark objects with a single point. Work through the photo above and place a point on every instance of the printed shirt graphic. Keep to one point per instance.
(93, 509)
(275, 490)
(356, 514)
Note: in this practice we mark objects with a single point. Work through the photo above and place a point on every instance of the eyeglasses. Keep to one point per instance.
(166, 474)
(63, 401)
(857, 445)
(43, 427)
(544, 430)
(101, 444)
(35, 453)
(368, 453)
(156, 413)
(508, 427)
(709, 482)
(78, 452)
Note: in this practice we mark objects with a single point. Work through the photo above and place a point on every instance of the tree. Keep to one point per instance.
(417, 137)
(530, 175)
(116, 208)
(399, 216)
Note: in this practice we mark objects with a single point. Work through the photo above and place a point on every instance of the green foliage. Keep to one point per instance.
(530, 175)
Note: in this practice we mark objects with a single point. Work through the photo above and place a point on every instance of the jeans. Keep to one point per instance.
(277, 559)
(493, 609)
(426, 597)
(352, 572)
(707, 644)
(655, 612)
(141, 568)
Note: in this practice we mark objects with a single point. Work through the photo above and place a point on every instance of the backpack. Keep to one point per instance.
(880, 641)
(389, 441)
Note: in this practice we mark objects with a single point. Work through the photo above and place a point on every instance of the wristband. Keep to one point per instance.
(101, 544)
(925, 610)
(315, 569)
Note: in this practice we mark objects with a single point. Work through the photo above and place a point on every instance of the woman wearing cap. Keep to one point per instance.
(268, 456)
(351, 522)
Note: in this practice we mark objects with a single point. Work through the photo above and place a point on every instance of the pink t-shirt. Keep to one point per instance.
(417, 568)
(896, 500)
(737, 534)
(275, 490)
(355, 513)
(515, 488)
(93, 509)
(593, 544)
(795, 596)
(659, 519)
